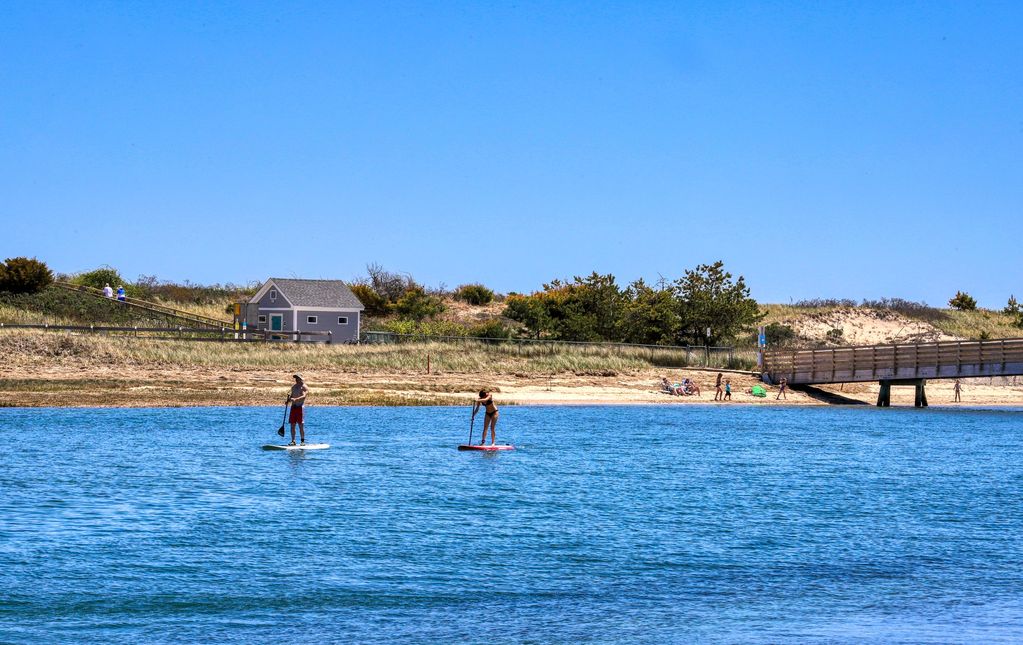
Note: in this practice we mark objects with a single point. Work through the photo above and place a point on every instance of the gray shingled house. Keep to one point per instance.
(283, 304)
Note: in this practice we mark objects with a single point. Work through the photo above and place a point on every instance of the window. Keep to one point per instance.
(273, 295)
(262, 319)
(311, 320)
(342, 320)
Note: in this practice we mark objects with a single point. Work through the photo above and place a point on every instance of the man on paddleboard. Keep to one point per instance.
(297, 400)
(490, 418)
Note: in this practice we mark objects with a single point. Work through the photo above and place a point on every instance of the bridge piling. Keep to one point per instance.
(884, 395)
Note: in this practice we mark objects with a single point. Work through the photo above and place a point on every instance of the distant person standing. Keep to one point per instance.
(107, 291)
(718, 392)
(121, 295)
(297, 415)
(486, 401)
(781, 389)
(728, 390)
(957, 388)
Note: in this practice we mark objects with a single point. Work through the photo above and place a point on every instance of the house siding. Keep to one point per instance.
(280, 303)
(327, 321)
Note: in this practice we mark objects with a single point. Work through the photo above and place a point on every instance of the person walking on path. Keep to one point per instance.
(486, 400)
(781, 389)
(718, 394)
(297, 400)
(108, 292)
(728, 390)
(957, 387)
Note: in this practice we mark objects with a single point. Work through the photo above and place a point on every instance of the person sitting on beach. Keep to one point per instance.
(486, 400)
(692, 387)
(667, 387)
(107, 291)
(120, 294)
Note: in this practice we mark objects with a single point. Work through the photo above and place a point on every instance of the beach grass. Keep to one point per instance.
(469, 356)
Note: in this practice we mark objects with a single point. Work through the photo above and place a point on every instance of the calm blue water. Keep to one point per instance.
(609, 524)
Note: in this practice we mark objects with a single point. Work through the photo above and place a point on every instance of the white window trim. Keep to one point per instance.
(273, 295)
(312, 320)
(261, 319)
(342, 318)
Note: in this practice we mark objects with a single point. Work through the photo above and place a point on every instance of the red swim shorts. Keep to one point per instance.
(296, 415)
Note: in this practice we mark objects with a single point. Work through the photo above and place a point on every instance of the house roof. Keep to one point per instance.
(315, 293)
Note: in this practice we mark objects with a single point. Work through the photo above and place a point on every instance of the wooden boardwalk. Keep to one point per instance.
(187, 318)
(896, 364)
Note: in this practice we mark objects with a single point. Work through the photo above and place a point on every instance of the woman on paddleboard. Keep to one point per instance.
(486, 400)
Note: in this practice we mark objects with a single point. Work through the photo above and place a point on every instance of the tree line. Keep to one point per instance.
(705, 305)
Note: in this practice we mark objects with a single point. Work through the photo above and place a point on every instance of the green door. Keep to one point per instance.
(276, 324)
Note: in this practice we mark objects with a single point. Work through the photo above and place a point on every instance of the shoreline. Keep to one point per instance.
(105, 387)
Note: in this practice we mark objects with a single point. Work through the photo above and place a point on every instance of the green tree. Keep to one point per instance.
(963, 302)
(531, 312)
(708, 297)
(650, 317)
(418, 305)
(25, 275)
(1012, 308)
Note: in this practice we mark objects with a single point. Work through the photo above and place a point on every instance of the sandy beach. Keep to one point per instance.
(127, 386)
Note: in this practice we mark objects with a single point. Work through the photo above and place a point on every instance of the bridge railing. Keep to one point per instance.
(946, 359)
(194, 318)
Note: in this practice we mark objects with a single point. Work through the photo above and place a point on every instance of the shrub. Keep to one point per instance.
(375, 304)
(779, 335)
(418, 305)
(474, 294)
(835, 335)
(392, 286)
(963, 302)
(25, 275)
(817, 303)
(490, 329)
(99, 278)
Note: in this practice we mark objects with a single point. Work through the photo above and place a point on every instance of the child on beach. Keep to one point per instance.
(781, 391)
(728, 390)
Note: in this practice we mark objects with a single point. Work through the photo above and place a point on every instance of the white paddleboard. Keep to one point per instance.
(308, 446)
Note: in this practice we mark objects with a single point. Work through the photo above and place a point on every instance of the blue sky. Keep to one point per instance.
(839, 149)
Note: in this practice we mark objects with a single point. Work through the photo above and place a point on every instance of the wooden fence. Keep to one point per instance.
(223, 334)
(947, 359)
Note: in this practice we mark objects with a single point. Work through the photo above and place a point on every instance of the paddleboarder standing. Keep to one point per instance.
(297, 400)
(486, 400)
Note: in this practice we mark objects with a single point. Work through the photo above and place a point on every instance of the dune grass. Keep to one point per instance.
(445, 357)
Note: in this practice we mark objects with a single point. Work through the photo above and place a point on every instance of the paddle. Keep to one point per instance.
(280, 430)
(475, 407)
